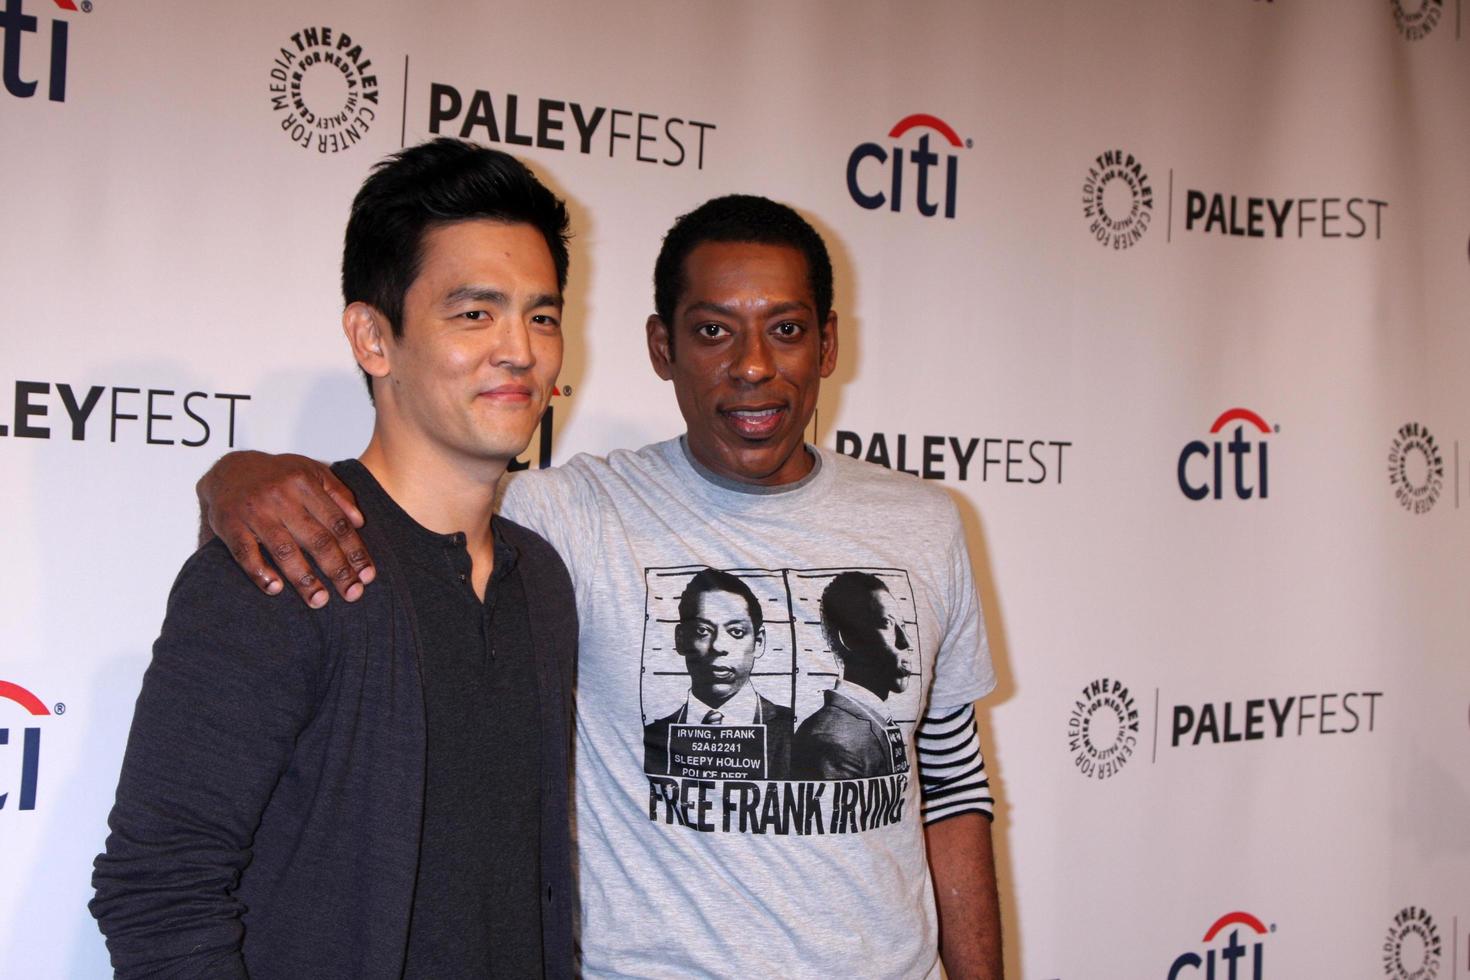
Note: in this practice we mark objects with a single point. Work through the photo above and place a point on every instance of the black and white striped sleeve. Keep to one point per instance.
(952, 776)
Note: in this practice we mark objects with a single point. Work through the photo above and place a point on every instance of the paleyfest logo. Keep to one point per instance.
(1415, 468)
(323, 90)
(1102, 731)
(1117, 200)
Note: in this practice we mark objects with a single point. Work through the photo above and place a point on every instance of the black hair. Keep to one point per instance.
(714, 580)
(739, 218)
(850, 600)
(435, 183)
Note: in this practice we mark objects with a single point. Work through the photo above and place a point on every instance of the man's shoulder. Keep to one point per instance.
(873, 482)
(211, 579)
(587, 473)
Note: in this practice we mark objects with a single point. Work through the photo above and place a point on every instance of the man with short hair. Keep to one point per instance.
(826, 877)
(721, 634)
(853, 736)
(380, 789)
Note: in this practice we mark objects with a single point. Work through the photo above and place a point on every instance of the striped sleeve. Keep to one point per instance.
(952, 776)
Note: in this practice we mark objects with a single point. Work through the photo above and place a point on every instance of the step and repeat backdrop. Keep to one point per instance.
(1171, 295)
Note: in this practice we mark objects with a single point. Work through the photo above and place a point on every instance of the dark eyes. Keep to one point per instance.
(484, 316)
(786, 330)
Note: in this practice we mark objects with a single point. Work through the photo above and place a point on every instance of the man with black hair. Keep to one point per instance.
(878, 876)
(721, 633)
(379, 789)
(853, 736)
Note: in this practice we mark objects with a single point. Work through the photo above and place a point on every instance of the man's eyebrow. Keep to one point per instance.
(475, 294)
(496, 297)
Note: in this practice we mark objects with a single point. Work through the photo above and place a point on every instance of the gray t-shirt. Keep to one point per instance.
(701, 850)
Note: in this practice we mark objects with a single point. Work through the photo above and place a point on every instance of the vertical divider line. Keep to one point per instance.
(1170, 235)
(403, 122)
(1156, 727)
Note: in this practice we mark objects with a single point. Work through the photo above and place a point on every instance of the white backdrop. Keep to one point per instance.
(1162, 210)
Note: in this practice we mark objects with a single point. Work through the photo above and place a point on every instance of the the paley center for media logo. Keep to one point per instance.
(1117, 199)
(1412, 949)
(323, 90)
(1415, 468)
(1415, 19)
(1103, 728)
(917, 170)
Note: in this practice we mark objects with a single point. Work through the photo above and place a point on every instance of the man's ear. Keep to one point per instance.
(660, 350)
(829, 344)
(760, 643)
(367, 330)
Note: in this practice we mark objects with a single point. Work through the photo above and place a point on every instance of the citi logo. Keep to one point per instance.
(1189, 965)
(16, 24)
(871, 188)
(28, 743)
(1248, 470)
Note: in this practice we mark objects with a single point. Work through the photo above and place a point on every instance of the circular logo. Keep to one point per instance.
(1412, 948)
(323, 90)
(1117, 200)
(1415, 468)
(1416, 18)
(1102, 731)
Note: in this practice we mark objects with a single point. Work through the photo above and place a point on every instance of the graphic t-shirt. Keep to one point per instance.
(752, 665)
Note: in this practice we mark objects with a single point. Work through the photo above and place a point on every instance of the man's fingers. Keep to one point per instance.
(246, 551)
(295, 570)
(342, 497)
(338, 511)
(327, 534)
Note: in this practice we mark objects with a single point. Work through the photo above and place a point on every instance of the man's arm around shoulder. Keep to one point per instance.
(232, 682)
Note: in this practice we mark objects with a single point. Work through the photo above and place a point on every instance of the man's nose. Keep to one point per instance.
(512, 347)
(900, 639)
(753, 361)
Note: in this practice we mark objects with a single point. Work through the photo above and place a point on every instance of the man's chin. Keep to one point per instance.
(757, 460)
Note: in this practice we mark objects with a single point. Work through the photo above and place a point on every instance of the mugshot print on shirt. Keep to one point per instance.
(779, 700)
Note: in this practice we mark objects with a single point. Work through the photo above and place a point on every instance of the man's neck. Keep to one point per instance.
(443, 494)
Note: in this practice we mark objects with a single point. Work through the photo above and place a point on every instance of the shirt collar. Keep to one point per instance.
(865, 699)
(742, 708)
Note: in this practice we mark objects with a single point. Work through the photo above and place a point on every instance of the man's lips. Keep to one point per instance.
(507, 394)
(755, 423)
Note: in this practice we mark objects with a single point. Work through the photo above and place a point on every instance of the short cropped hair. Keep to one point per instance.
(423, 187)
(739, 218)
(715, 580)
(850, 600)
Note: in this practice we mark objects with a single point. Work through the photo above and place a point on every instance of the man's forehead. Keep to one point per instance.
(731, 605)
(719, 272)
